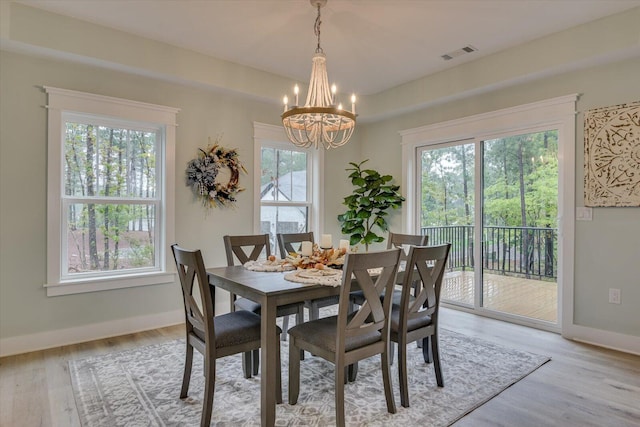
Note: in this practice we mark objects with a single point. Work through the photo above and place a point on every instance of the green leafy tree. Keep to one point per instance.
(108, 162)
(447, 186)
(368, 205)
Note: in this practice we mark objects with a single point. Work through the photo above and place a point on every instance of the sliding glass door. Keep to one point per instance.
(496, 201)
(519, 225)
(447, 206)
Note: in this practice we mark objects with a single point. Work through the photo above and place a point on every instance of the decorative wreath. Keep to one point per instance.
(202, 173)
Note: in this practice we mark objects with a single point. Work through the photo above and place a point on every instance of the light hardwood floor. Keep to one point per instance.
(583, 385)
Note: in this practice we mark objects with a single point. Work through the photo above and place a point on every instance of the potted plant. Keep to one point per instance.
(367, 206)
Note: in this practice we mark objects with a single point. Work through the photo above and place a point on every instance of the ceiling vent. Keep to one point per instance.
(456, 53)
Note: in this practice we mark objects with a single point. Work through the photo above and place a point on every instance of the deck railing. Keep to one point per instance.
(529, 252)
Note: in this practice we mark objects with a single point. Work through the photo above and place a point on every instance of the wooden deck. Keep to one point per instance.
(526, 297)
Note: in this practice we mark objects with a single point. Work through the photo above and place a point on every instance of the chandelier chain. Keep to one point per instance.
(316, 30)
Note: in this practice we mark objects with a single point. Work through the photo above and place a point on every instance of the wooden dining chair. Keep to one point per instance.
(348, 337)
(249, 248)
(286, 242)
(245, 248)
(416, 317)
(403, 241)
(396, 240)
(400, 241)
(213, 336)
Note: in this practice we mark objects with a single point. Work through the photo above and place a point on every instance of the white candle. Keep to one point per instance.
(353, 103)
(325, 241)
(286, 101)
(333, 93)
(296, 89)
(306, 248)
(344, 244)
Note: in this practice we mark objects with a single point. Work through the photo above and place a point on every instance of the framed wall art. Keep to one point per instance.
(612, 156)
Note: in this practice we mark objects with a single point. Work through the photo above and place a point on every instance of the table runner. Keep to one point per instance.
(314, 276)
(269, 266)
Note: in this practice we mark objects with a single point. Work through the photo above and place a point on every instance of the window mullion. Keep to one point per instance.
(283, 203)
(112, 200)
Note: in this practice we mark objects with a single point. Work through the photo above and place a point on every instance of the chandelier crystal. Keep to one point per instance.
(320, 122)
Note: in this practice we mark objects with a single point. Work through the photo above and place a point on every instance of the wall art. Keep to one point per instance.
(202, 173)
(612, 156)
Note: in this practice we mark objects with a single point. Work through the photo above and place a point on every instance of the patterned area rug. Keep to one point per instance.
(140, 387)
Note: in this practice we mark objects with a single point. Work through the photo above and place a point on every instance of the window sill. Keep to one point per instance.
(105, 284)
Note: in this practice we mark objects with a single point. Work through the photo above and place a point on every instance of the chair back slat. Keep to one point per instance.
(286, 241)
(191, 269)
(246, 248)
(371, 313)
(429, 264)
(375, 274)
(397, 240)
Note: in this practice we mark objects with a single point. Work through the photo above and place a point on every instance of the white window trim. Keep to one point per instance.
(275, 136)
(558, 113)
(68, 101)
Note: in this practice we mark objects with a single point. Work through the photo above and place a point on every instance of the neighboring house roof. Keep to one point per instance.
(291, 186)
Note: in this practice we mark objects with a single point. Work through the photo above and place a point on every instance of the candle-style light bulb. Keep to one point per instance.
(340, 106)
(333, 93)
(286, 101)
(296, 90)
(353, 103)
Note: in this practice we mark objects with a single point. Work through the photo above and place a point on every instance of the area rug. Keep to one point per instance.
(141, 387)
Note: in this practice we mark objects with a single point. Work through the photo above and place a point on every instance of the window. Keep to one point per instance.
(110, 205)
(288, 185)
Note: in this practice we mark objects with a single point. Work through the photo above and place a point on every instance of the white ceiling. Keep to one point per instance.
(370, 45)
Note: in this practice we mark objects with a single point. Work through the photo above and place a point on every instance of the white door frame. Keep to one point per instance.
(556, 113)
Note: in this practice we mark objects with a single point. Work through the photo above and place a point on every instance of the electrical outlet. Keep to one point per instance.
(614, 296)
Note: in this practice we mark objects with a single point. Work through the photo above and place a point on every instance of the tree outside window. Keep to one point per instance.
(110, 197)
(110, 191)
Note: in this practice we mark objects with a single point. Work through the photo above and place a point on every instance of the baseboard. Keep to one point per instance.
(607, 339)
(75, 335)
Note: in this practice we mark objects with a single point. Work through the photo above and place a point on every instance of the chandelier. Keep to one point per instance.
(320, 121)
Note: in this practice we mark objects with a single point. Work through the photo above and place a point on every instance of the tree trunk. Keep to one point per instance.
(524, 256)
(94, 263)
(465, 186)
(107, 210)
(116, 245)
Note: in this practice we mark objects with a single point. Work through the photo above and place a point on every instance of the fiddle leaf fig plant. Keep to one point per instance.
(368, 205)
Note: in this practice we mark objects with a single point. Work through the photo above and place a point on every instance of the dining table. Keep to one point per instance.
(271, 290)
